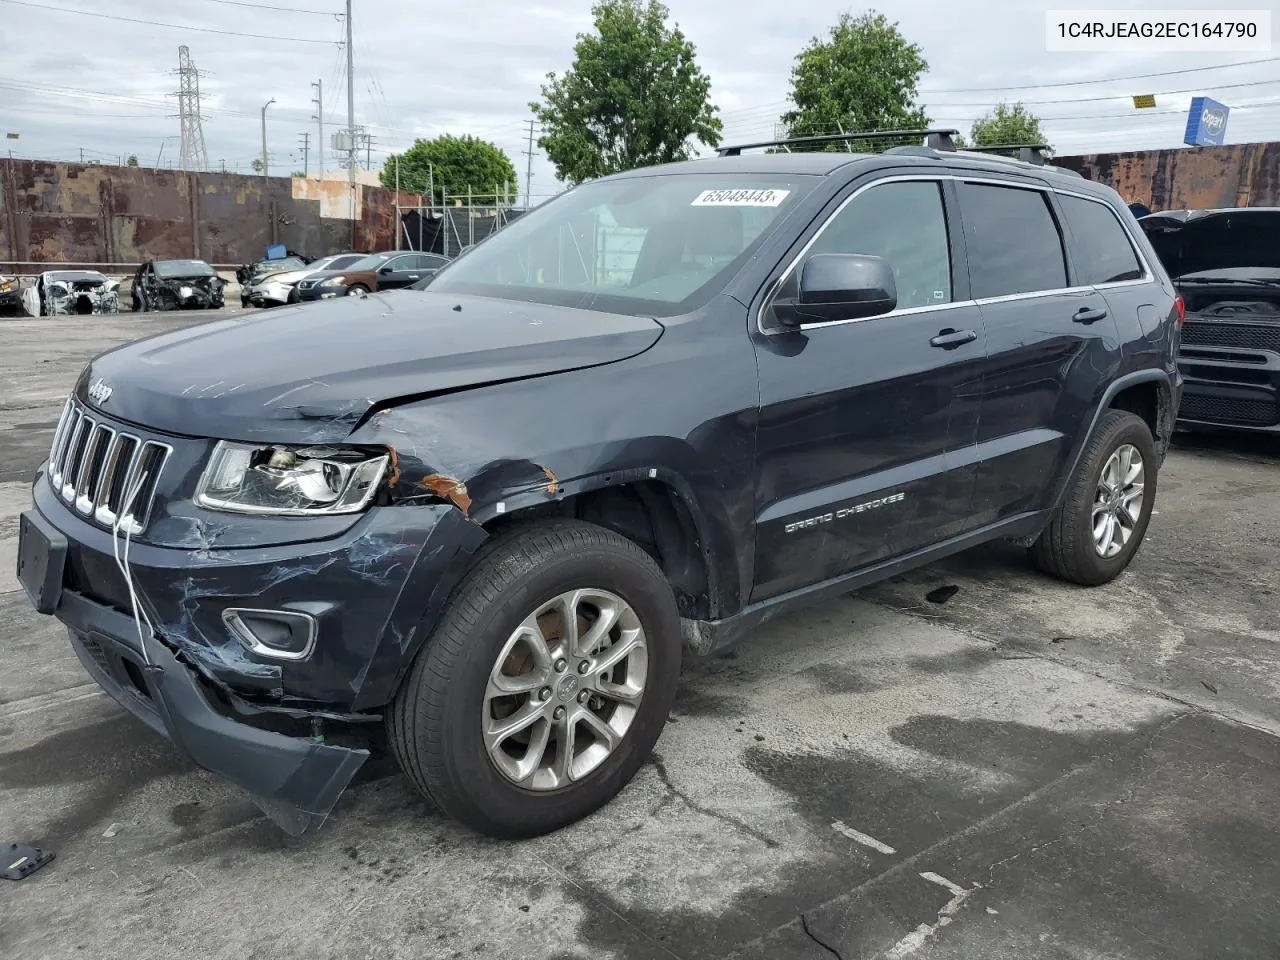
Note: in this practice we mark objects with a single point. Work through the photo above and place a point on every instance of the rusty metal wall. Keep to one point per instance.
(88, 214)
(1189, 178)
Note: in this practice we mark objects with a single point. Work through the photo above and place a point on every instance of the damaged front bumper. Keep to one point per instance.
(178, 666)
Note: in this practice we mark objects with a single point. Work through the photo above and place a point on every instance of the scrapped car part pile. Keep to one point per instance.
(62, 293)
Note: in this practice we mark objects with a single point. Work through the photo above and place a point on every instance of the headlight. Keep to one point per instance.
(333, 282)
(185, 292)
(290, 481)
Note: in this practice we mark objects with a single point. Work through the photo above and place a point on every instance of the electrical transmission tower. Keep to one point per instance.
(192, 152)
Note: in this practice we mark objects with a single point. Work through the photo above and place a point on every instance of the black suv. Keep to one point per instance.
(651, 414)
(1226, 265)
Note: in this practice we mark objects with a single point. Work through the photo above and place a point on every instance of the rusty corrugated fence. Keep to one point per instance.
(1188, 178)
(88, 214)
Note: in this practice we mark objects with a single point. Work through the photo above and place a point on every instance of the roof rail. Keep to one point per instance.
(937, 139)
(1026, 152)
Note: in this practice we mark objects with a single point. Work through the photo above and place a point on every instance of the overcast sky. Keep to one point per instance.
(70, 81)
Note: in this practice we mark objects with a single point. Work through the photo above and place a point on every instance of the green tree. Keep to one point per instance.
(862, 76)
(451, 164)
(634, 96)
(132, 161)
(1007, 124)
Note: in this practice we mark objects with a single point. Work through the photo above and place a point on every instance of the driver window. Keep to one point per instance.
(904, 223)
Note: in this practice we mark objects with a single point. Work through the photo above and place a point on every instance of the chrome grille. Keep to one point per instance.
(95, 467)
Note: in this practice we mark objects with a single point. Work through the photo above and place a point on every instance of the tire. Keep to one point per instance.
(351, 290)
(1068, 548)
(436, 723)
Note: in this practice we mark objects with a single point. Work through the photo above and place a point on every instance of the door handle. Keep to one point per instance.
(950, 339)
(413, 276)
(1089, 315)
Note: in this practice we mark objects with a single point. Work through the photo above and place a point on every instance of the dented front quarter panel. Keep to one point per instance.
(500, 449)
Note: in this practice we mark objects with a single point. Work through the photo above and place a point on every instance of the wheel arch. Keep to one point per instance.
(1139, 392)
(654, 507)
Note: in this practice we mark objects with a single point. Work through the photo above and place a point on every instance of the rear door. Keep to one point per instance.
(1051, 341)
(860, 419)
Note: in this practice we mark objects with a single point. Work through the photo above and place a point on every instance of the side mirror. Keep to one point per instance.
(841, 286)
(385, 270)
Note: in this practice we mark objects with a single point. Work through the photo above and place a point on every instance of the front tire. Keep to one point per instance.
(546, 683)
(1103, 518)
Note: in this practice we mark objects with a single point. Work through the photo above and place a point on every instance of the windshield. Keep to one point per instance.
(651, 245)
(183, 268)
(370, 263)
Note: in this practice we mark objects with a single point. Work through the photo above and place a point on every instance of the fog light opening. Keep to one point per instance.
(277, 634)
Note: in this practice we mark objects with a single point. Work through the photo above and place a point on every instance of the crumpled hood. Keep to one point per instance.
(1195, 241)
(310, 373)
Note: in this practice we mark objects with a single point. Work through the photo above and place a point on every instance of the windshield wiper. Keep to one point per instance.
(1233, 281)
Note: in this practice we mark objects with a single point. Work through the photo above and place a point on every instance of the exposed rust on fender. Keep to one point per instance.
(451, 488)
(553, 485)
(393, 478)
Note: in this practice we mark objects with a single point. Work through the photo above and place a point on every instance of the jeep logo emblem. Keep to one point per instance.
(99, 392)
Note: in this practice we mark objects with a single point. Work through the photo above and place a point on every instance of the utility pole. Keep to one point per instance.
(306, 154)
(319, 117)
(351, 123)
(528, 170)
(264, 134)
(368, 151)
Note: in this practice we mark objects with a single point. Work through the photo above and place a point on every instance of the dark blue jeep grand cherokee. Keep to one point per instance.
(642, 419)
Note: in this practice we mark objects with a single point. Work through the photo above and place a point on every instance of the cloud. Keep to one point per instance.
(424, 69)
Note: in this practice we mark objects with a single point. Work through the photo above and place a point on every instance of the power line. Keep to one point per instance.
(1081, 83)
(267, 6)
(775, 106)
(155, 23)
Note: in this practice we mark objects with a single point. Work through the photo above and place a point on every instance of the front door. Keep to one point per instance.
(860, 420)
(400, 272)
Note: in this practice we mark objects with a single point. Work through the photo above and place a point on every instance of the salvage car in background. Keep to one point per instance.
(1226, 265)
(379, 271)
(177, 285)
(251, 274)
(71, 293)
(277, 289)
(10, 295)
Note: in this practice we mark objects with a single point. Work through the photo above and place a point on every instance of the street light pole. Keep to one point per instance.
(264, 134)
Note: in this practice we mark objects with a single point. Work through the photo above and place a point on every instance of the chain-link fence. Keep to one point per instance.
(459, 222)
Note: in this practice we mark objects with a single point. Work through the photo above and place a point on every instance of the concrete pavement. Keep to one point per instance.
(1028, 770)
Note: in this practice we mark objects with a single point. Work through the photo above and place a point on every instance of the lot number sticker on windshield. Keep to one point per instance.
(739, 198)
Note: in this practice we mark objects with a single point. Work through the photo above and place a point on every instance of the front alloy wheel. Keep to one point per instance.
(565, 689)
(546, 682)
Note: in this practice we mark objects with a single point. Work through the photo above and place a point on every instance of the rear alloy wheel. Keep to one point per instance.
(1103, 517)
(546, 683)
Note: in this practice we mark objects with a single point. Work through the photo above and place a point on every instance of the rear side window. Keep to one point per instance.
(1012, 239)
(1100, 249)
